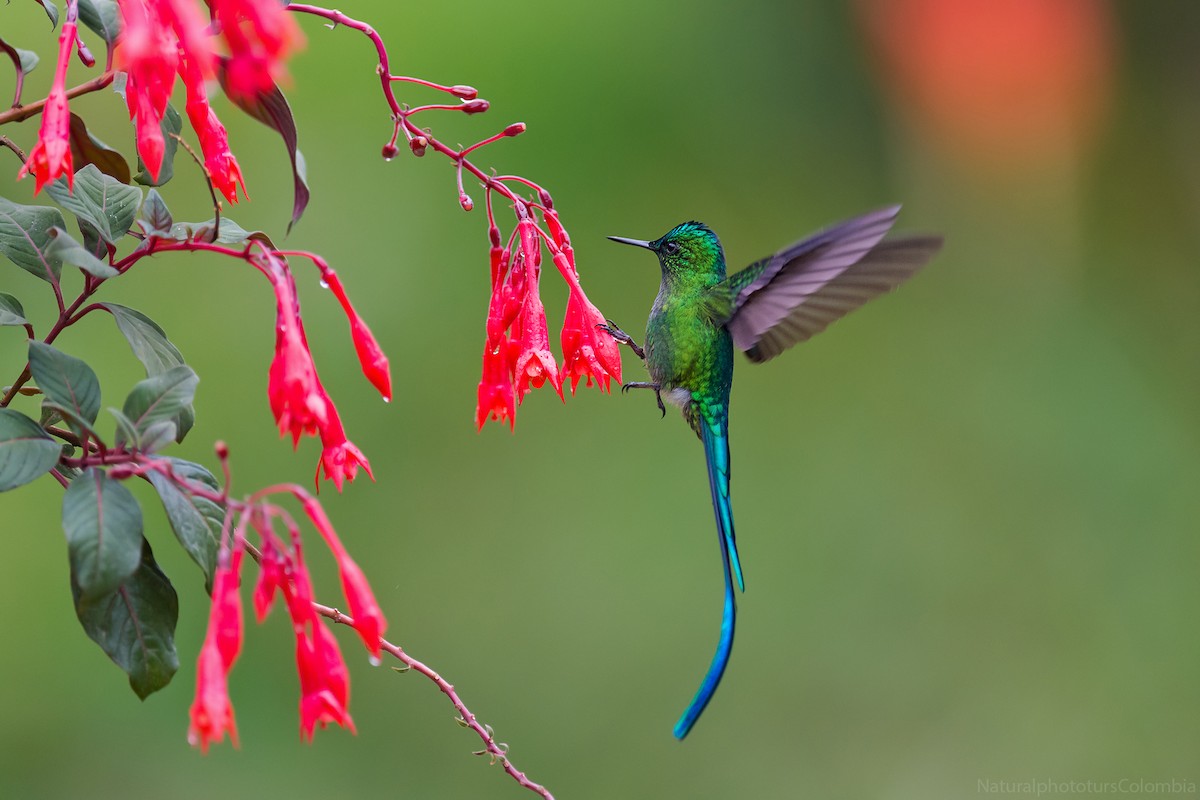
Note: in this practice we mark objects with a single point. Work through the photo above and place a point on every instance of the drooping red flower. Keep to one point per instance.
(588, 352)
(340, 458)
(298, 401)
(212, 713)
(368, 617)
(496, 399)
(51, 156)
(222, 167)
(271, 576)
(535, 363)
(148, 52)
(324, 683)
(261, 36)
(370, 355)
(324, 679)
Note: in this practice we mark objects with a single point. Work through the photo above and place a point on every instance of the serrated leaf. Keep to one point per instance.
(102, 16)
(171, 123)
(196, 520)
(67, 381)
(135, 624)
(11, 312)
(25, 235)
(155, 217)
(103, 523)
(101, 200)
(26, 451)
(127, 433)
(51, 11)
(152, 347)
(271, 108)
(160, 397)
(29, 60)
(87, 149)
(69, 251)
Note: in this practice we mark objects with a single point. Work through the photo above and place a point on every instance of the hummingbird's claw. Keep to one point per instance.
(622, 337)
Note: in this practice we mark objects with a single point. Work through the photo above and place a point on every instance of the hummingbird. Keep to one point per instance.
(700, 316)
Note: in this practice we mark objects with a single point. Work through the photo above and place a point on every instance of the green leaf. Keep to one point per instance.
(52, 412)
(67, 381)
(197, 521)
(103, 523)
(87, 149)
(29, 60)
(99, 199)
(171, 123)
(25, 235)
(51, 11)
(155, 216)
(11, 312)
(102, 16)
(151, 347)
(26, 451)
(69, 251)
(271, 108)
(135, 624)
(229, 233)
(127, 433)
(160, 397)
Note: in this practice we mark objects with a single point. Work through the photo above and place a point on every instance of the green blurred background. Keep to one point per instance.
(968, 514)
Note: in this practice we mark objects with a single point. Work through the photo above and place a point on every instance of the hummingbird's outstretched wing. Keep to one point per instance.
(796, 293)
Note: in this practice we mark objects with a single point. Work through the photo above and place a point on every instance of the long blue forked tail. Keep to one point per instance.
(716, 453)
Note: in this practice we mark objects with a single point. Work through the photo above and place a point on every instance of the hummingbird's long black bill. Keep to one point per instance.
(634, 242)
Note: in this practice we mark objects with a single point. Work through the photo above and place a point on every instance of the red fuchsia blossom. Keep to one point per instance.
(496, 399)
(535, 363)
(222, 167)
(261, 36)
(51, 156)
(340, 458)
(368, 618)
(211, 713)
(149, 53)
(298, 401)
(324, 679)
(271, 575)
(588, 352)
(370, 355)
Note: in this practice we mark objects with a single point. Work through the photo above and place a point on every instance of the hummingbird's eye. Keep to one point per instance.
(671, 248)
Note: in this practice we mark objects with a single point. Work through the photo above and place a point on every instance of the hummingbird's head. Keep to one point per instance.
(689, 250)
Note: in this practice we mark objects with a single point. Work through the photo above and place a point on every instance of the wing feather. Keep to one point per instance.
(785, 317)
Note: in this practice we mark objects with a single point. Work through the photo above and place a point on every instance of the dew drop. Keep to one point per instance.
(374, 661)
(324, 283)
(387, 399)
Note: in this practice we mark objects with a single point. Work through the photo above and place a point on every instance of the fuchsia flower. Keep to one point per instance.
(340, 458)
(496, 399)
(370, 355)
(51, 156)
(368, 618)
(298, 401)
(222, 167)
(211, 713)
(535, 363)
(261, 36)
(149, 54)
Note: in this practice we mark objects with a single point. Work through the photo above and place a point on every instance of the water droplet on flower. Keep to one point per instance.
(374, 661)
(387, 399)
(324, 283)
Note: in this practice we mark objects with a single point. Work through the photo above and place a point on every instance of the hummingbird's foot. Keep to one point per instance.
(625, 387)
(622, 337)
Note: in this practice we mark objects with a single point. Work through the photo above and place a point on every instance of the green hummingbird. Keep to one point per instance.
(700, 316)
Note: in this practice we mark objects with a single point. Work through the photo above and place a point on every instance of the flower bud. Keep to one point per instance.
(516, 129)
(464, 92)
(418, 144)
(389, 151)
(474, 106)
(466, 202)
